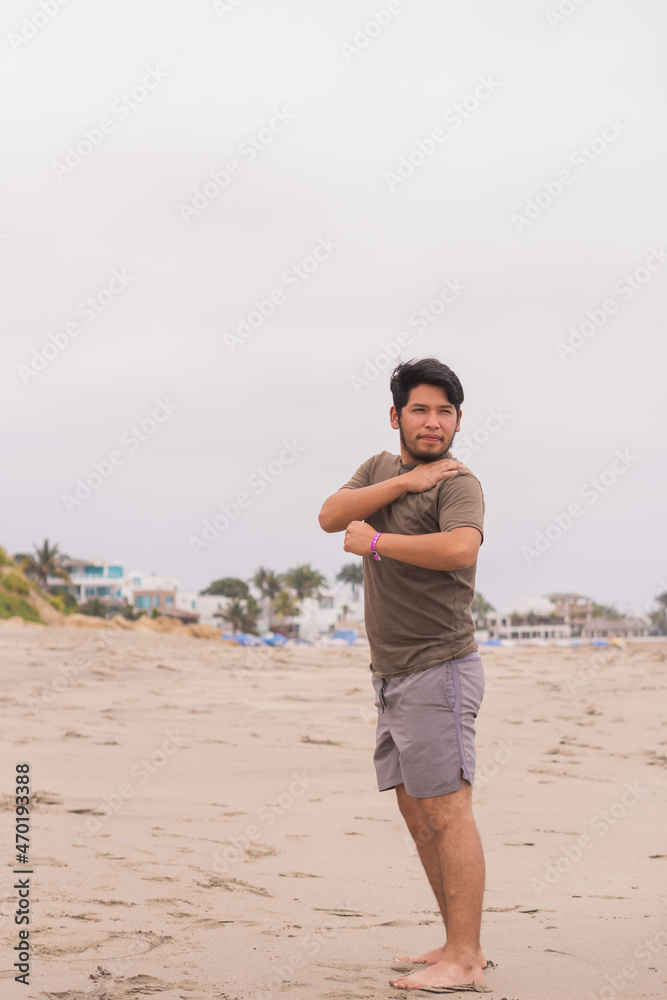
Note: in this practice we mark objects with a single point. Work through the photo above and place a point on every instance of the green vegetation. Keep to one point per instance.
(606, 611)
(13, 604)
(44, 562)
(267, 582)
(57, 601)
(270, 585)
(285, 605)
(94, 607)
(16, 583)
(659, 617)
(480, 608)
(353, 574)
(280, 593)
(531, 618)
(304, 581)
(127, 611)
(63, 600)
(242, 615)
(229, 586)
(15, 592)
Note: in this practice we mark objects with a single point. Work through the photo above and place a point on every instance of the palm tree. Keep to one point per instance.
(267, 582)
(47, 561)
(606, 611)
(305, 581)
(269, 585)
(241, 615)
(352, 573)
(659, 617)
(285, 606)
(480, 608)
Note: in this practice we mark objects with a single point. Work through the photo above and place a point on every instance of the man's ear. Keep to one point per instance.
(458, 424)
(393, 418)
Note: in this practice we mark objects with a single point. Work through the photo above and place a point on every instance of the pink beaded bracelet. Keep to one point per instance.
(376, 555)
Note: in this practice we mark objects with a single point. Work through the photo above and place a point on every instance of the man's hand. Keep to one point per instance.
(358, 538)
(424, 477)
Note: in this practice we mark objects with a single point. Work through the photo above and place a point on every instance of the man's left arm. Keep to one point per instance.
(442, 550)
(460, 513)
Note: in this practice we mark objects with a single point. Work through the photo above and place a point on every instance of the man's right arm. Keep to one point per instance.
(357, 504)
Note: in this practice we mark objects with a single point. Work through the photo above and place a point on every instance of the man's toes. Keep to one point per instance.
(403, 984)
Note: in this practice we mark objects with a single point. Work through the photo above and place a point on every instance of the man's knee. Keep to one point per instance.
(411, 812)
(443, 810)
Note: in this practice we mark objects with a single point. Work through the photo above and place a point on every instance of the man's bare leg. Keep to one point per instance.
(411, 812)
(428, 852)
(450, 821)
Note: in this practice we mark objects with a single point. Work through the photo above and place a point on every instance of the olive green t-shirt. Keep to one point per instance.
(416, 617)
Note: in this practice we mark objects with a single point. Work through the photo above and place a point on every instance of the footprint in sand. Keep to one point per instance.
(111, 902)
(321, 743)
(114, 945)
(297, 875)
(259, 851)
(233, 885)
(119, 988)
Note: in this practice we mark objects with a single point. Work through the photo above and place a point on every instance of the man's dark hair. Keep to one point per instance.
(424, 371)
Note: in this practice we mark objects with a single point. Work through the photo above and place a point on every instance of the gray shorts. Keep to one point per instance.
(426, 727)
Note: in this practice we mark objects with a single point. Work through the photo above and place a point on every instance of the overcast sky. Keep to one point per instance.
(499, 167)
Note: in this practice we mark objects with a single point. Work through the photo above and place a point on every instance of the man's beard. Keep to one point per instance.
(429, 456)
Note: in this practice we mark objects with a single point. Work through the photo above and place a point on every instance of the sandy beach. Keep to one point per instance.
(205, 822)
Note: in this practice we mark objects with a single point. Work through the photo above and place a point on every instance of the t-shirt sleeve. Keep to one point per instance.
(362, 477)
(461, 504)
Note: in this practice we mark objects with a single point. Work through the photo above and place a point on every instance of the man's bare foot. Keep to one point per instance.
(433, 957)
(443, 973)
(428, 958)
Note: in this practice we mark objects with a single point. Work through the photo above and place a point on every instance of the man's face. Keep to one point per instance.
(427, 424)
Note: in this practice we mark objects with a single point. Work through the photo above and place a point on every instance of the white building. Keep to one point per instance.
(628, 627)
(207, 606)
(317, 618)
(91, 578)
(528, 619)
(146, 591)
(322, 617)
(531, 605)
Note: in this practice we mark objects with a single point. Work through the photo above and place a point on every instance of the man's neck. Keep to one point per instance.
(407, 458)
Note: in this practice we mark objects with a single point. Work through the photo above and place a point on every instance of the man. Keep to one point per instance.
(417, 520)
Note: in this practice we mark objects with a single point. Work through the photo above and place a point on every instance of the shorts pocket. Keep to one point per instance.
(377, 684)
(448, 685)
